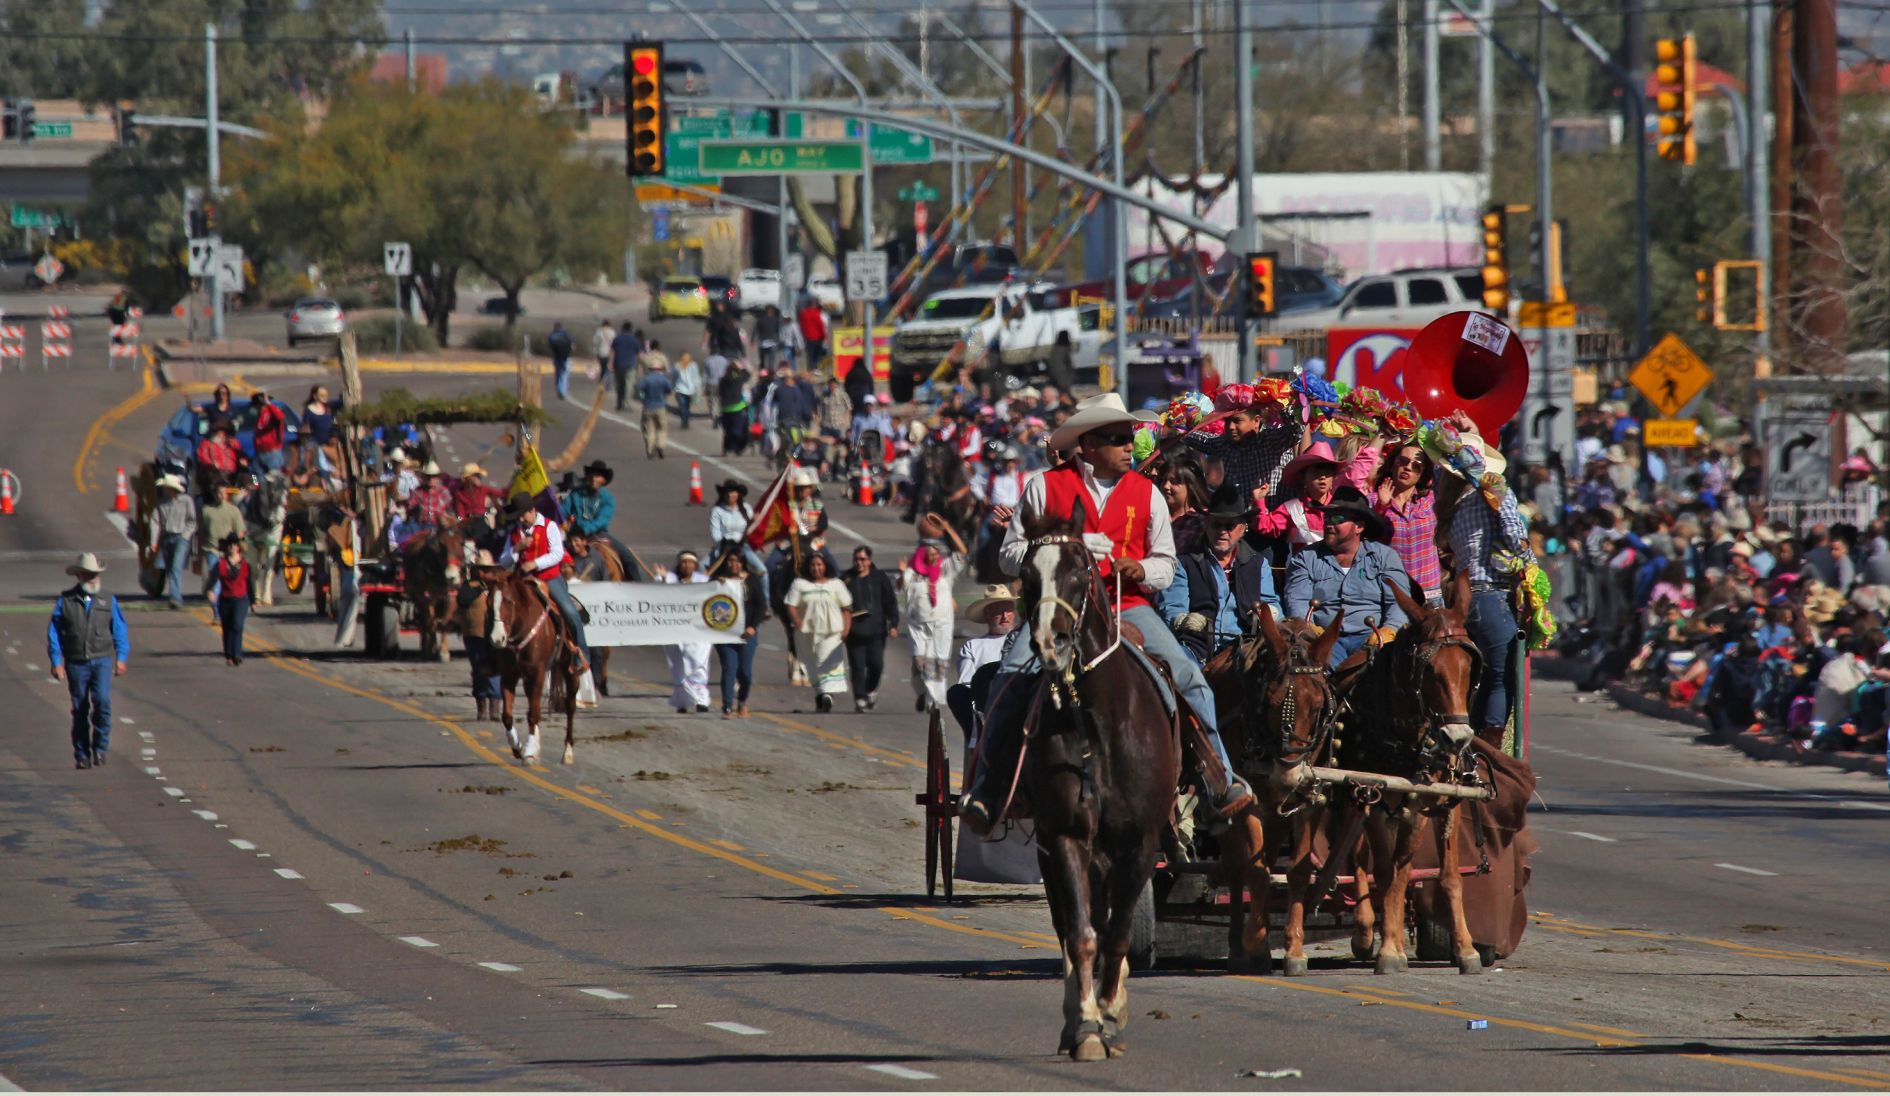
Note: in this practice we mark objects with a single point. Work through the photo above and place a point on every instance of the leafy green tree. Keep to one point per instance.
(34, 61)
(476, 178)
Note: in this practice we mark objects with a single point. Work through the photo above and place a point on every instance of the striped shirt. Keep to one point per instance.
(1477, 530)
(1414, 536)
(1255, 462)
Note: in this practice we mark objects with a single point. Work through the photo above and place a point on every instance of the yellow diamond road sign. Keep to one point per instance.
(1671, 375)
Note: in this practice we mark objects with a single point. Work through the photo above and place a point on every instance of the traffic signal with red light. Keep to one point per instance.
(1674, 75)
(646, 111)
(1262, 286)
(1496, 258)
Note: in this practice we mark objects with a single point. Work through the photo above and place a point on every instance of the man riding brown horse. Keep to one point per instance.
(535, 547)
(1125, 527)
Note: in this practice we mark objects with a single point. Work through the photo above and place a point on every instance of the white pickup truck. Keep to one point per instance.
(1023, 340)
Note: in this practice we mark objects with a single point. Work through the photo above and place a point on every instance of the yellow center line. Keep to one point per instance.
(1549, 1029)
(1757, 951)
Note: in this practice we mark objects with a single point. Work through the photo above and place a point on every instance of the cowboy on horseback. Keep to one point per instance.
(535, 547)
(1126, 528)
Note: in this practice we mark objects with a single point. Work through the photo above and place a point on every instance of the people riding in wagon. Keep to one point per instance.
(1126, 523)
(535, 547)
(430, 506)
(1219, 586)
(1295, 514)
(473, 497)
(1348, 570)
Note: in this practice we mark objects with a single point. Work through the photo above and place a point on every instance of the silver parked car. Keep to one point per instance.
(316, 318)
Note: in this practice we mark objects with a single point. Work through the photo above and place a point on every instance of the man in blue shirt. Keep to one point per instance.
(1346, 571)
(87, 644)
(592, 507)
(625, 349)
(1212, 601)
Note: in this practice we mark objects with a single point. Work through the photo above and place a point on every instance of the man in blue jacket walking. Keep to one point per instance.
(87, 644)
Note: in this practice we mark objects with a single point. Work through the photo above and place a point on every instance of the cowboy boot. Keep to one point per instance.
(479, 703)
(1492, 735)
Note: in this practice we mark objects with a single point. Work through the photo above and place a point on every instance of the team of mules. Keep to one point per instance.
(1104, 761)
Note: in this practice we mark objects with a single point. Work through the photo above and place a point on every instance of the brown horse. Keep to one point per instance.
(529, 644)
(1281, 706)
(1100, 776)
(431, 567)
(1411, 719)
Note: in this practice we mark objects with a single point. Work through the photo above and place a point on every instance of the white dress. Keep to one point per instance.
(929, 624)
(823, 607)
(688, 664)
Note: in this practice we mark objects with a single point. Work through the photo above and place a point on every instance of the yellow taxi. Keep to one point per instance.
(679, 295)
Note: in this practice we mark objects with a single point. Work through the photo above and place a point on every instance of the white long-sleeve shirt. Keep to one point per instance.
(554, 549)
(728, 524)
(1158, 565)
(999, 488)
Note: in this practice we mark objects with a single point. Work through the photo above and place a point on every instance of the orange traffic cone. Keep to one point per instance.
(866, 486)
(121, 498)
(6, 491)
(695, 485)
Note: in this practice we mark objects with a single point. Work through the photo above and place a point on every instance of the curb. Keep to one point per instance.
(1759, 745)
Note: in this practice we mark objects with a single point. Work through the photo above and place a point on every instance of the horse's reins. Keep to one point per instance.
(1077, 612)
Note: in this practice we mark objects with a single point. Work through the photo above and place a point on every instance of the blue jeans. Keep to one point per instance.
(738, 670)
(561, 597)
(1491, 626)
(233, 613)
(90, 683)
(562, 368)
(1347, 644)
(174, 554)
(485, 683)
(271, 460)
(684, 404)
(1008, 699)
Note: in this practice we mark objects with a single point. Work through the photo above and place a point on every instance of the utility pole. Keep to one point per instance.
(1486, 97)
(1018, 184)
(1404, 84)
(1784, 125)
(1757, 192)
(1243, 163)
(408, 36)
(215, 196)
(1818, 203)
(1433, 148)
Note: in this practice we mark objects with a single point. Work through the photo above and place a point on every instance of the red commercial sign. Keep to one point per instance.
(1369, 357)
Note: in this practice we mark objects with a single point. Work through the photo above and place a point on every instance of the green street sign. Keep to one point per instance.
(896, 146)
(24, 217)
(52, 129)
(918, 192)
(780, 157)
(724, 124)
(682, 155)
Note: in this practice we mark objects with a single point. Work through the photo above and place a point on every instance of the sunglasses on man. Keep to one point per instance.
(1122, 439)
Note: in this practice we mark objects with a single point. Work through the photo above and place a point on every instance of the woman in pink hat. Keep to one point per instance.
(1305, 486)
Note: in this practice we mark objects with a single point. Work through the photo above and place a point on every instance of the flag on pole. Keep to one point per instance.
(773, 518)
(532, 481)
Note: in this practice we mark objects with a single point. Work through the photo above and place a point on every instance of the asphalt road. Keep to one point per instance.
(315, 871)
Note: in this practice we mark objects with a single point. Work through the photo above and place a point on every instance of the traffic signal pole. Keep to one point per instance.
(212, 136)
(1243, 184)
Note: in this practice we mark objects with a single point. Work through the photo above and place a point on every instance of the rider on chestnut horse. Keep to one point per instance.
(535, 547)
(1126, 528)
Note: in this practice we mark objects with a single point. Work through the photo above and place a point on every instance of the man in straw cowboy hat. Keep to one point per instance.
(1348, 571)
(173, 526)
(1127, 527)
(472, 495)
(87, 643)
(996, 609)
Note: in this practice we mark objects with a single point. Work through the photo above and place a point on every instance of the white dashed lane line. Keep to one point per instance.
(904, 1073)
(1589, 836)
(246, 846)
(735, 1028)
(606, 994)
(288, 873)
(207, 816)
(417, 941)
(174, 791)
(153, 770)
(502, 968)
(345, 907)
(1748, 871)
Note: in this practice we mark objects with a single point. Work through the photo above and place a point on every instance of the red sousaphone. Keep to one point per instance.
(1469, 361)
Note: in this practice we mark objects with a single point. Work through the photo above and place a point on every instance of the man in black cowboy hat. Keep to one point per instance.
(1217, 586)
(591, 508)
(1348, 570)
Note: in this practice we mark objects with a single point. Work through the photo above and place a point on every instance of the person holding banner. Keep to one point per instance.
(820, 607)
(688, 662)
(738, 659)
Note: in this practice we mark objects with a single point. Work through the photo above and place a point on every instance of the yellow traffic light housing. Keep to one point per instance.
(1676, 77)
(1262, 284)
(1755, 295)
(1496, 258)
(1703, 297)
(646, 112)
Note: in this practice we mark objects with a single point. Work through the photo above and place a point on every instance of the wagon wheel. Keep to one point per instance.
(294, 568)
(940, 805)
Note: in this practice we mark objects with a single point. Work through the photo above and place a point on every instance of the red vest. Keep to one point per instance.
(528, 545)
(1124, 520)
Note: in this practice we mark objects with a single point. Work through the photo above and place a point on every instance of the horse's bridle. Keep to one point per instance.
(1092, 581)
(1421, 656)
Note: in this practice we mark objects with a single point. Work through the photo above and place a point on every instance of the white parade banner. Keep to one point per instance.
(645, 614)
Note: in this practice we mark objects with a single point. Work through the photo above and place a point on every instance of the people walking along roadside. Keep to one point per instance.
(87, 644)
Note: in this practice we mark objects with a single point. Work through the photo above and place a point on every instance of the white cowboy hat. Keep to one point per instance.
(469, 469)
(987, 597)
(175, 483)
(803, 477)
(482, 558)
(1093, 414)
(432, 468)
(396, 455)
(86, 564)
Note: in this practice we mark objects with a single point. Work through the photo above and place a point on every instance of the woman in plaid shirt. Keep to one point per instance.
(1402, 486)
